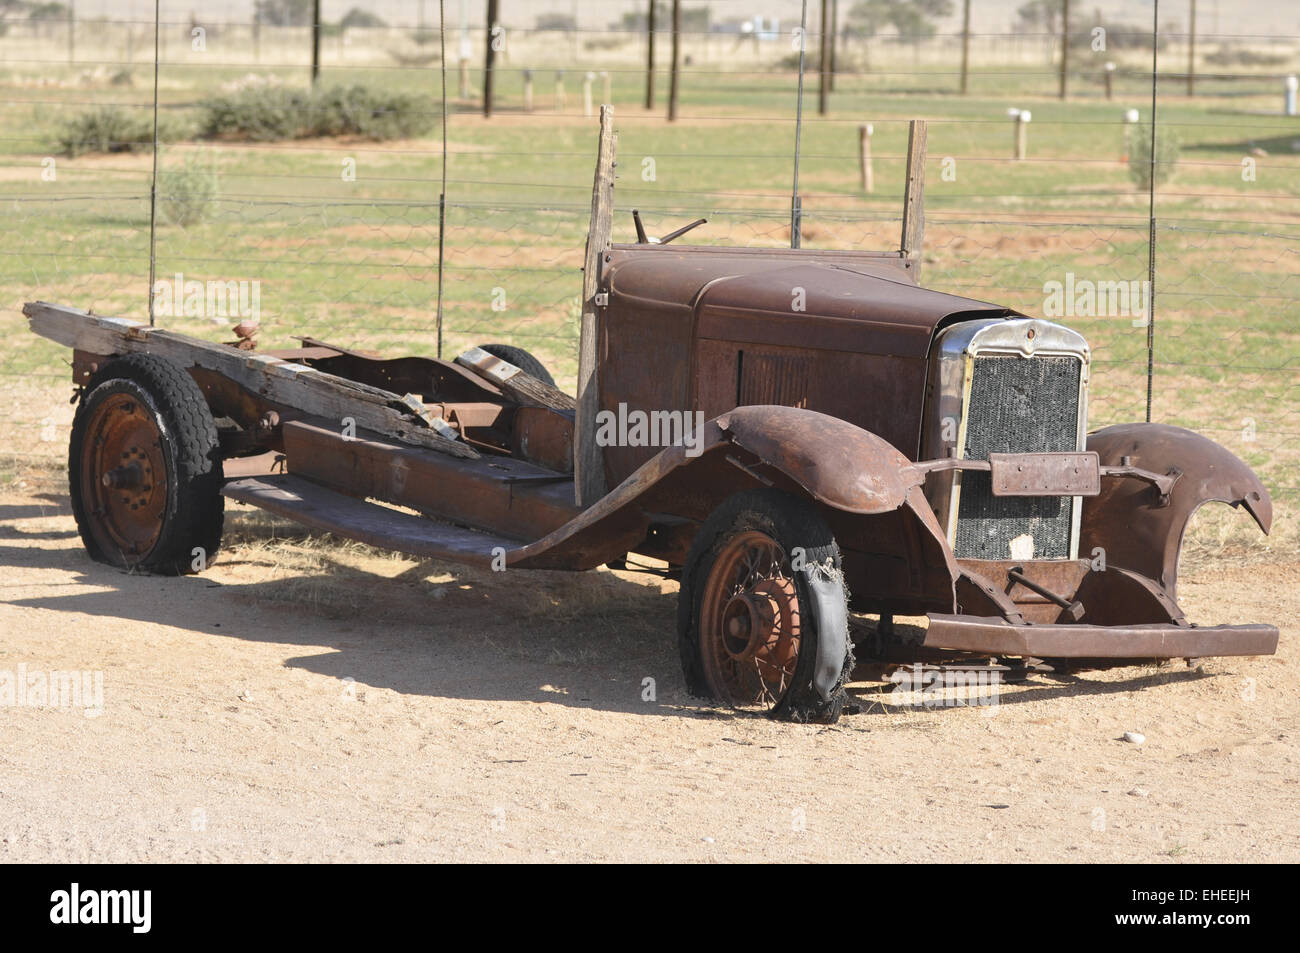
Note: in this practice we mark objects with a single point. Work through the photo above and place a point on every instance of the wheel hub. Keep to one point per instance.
(124, 476)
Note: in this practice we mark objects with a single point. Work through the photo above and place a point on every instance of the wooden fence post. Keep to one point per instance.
(914, 196)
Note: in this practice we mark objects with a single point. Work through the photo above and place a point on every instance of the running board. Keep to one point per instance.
(322, 509)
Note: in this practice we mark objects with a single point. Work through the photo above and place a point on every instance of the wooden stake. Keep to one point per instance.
(914, 195)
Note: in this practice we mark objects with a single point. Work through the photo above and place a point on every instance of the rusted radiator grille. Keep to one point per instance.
(1017, 405)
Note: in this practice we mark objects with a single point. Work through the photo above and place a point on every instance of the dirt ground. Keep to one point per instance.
(307, 701)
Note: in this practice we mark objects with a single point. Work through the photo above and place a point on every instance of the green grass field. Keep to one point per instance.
(356, 261)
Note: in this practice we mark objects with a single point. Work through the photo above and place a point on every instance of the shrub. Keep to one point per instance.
(263, 114)
(107, 129)
(272, 113)
(187, 194)
(1168, 148)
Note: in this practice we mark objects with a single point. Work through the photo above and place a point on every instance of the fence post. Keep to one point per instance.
(315, 41)
(489, 58)
(864, 156)
(650, 59)
(965, 46)
(153, 176)
(914, 196)
(1065, 46)
(676, 67)
(588, 461)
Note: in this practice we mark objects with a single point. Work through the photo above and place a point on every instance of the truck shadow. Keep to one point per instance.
(598, 640)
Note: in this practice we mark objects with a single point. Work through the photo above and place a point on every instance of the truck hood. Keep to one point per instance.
(831, 301)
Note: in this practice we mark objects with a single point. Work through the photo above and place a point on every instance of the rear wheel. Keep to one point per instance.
(521, 359)
(144, 468)
(749, 632)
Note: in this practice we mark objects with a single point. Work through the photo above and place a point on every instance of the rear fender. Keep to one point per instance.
(1127, 522)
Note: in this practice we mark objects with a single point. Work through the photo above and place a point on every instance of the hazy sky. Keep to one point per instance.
(1242, 17)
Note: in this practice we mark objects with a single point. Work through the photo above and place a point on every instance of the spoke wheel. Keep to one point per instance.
(749, 623)
(747, 619)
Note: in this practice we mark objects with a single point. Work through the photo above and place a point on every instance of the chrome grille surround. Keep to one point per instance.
(948, 429)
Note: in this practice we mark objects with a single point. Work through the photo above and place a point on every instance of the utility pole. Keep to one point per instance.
(1191, 51)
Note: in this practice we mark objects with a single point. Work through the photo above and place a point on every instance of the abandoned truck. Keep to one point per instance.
(884, 449)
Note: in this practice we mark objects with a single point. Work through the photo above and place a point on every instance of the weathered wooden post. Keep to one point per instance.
(1110, 80)
(588, 460)
(914, 196)
(528, 90)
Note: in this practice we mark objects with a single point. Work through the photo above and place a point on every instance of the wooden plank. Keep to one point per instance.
(314, 392)
(588, 461)
(914, 195)
(521, 387)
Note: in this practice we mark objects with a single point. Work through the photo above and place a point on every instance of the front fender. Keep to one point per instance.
(1126, 519)
(840, 464)
(837, 464)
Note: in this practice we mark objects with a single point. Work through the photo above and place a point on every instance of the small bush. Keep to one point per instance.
(1168, 148)
(273, 113)
(188, 194)
(107, 129)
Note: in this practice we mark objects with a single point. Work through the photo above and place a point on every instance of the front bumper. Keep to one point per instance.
(968, 633)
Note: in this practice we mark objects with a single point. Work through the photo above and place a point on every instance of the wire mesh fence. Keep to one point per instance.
(323, 212)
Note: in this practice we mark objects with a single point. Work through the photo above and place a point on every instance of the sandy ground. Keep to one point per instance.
(303, 701)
